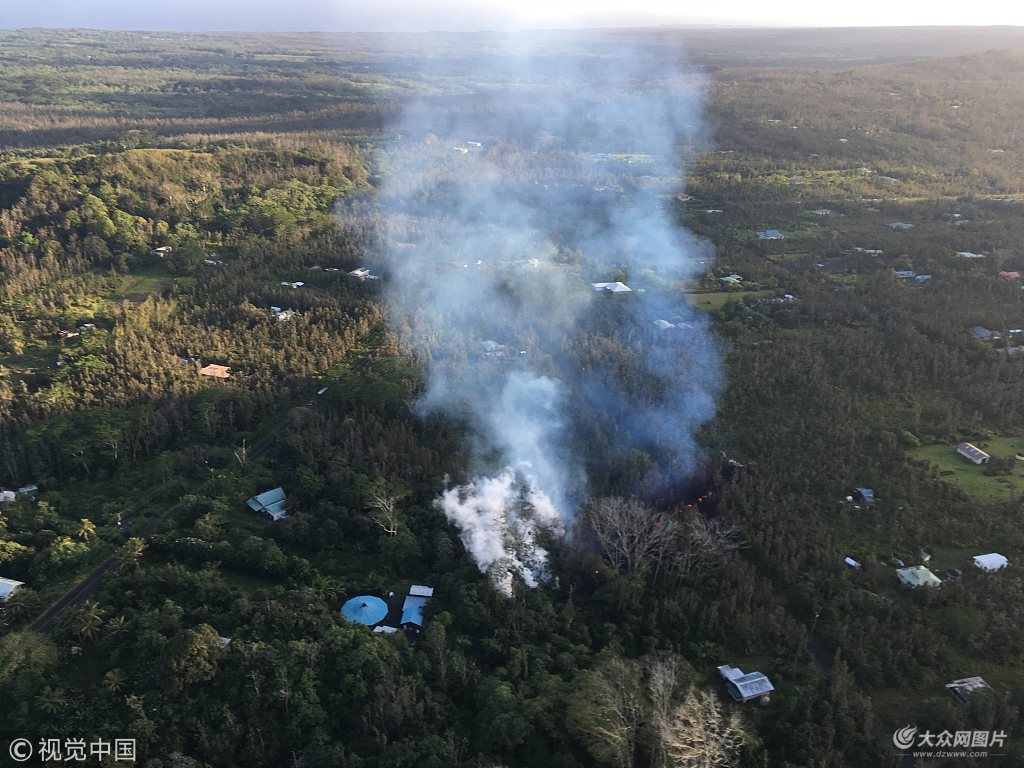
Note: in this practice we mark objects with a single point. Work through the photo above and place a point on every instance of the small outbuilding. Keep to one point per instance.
(770, 234)
(991, 562)
(972, 453)
(866, 495)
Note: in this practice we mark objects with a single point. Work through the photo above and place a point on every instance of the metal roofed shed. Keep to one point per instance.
(746, 686)
(770, 234)
(365, 609)
(270, 503)
(991, 562)
(7, 586)
(918, 576)
(972, 453)
(961, 689)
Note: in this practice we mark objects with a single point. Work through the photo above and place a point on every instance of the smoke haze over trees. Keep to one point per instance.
(504, 206)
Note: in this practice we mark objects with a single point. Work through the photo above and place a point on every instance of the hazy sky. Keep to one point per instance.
(421, 15)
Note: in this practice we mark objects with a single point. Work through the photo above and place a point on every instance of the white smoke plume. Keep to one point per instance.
(550, 164)
(500, 519)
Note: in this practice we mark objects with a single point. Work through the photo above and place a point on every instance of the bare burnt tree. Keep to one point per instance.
(632, 535)
(704, 543)
(383, 512)
(699, 735)
(663, 675)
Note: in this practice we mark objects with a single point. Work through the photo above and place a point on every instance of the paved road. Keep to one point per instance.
(76, 595)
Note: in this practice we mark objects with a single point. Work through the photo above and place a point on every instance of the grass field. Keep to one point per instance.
(716, 300)
(136, 287)
(971, 478)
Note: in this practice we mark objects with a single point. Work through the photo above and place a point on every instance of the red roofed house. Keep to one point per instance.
(1010, 275)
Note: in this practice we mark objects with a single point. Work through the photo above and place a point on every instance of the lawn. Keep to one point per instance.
(137, 287)
(971, 478)
(716, 300)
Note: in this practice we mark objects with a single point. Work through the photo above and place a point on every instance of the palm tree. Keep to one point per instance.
(118, 625)
(114, 681)
(326, 587)
(88, 620)
(51, 700)
(131, 553)
(86, 529)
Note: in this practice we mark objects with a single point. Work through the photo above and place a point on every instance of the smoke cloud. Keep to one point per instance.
(547, 165)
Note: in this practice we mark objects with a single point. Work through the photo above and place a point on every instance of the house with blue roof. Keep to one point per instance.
(770, 234)
(905, 273)
(412, 608)
(270, 503)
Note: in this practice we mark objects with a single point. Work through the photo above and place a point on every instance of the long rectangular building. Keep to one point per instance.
(972, 453)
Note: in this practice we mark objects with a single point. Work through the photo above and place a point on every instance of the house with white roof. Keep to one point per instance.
(918, 576)
(993, 561)
(7, 586)
(616, 287)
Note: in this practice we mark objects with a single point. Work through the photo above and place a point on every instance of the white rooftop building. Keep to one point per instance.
(616, 287)
(7, 586)
(991, 562)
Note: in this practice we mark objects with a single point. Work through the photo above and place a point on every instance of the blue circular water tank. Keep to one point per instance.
(365, 609)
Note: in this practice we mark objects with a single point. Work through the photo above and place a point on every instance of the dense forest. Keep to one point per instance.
(174, 202)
